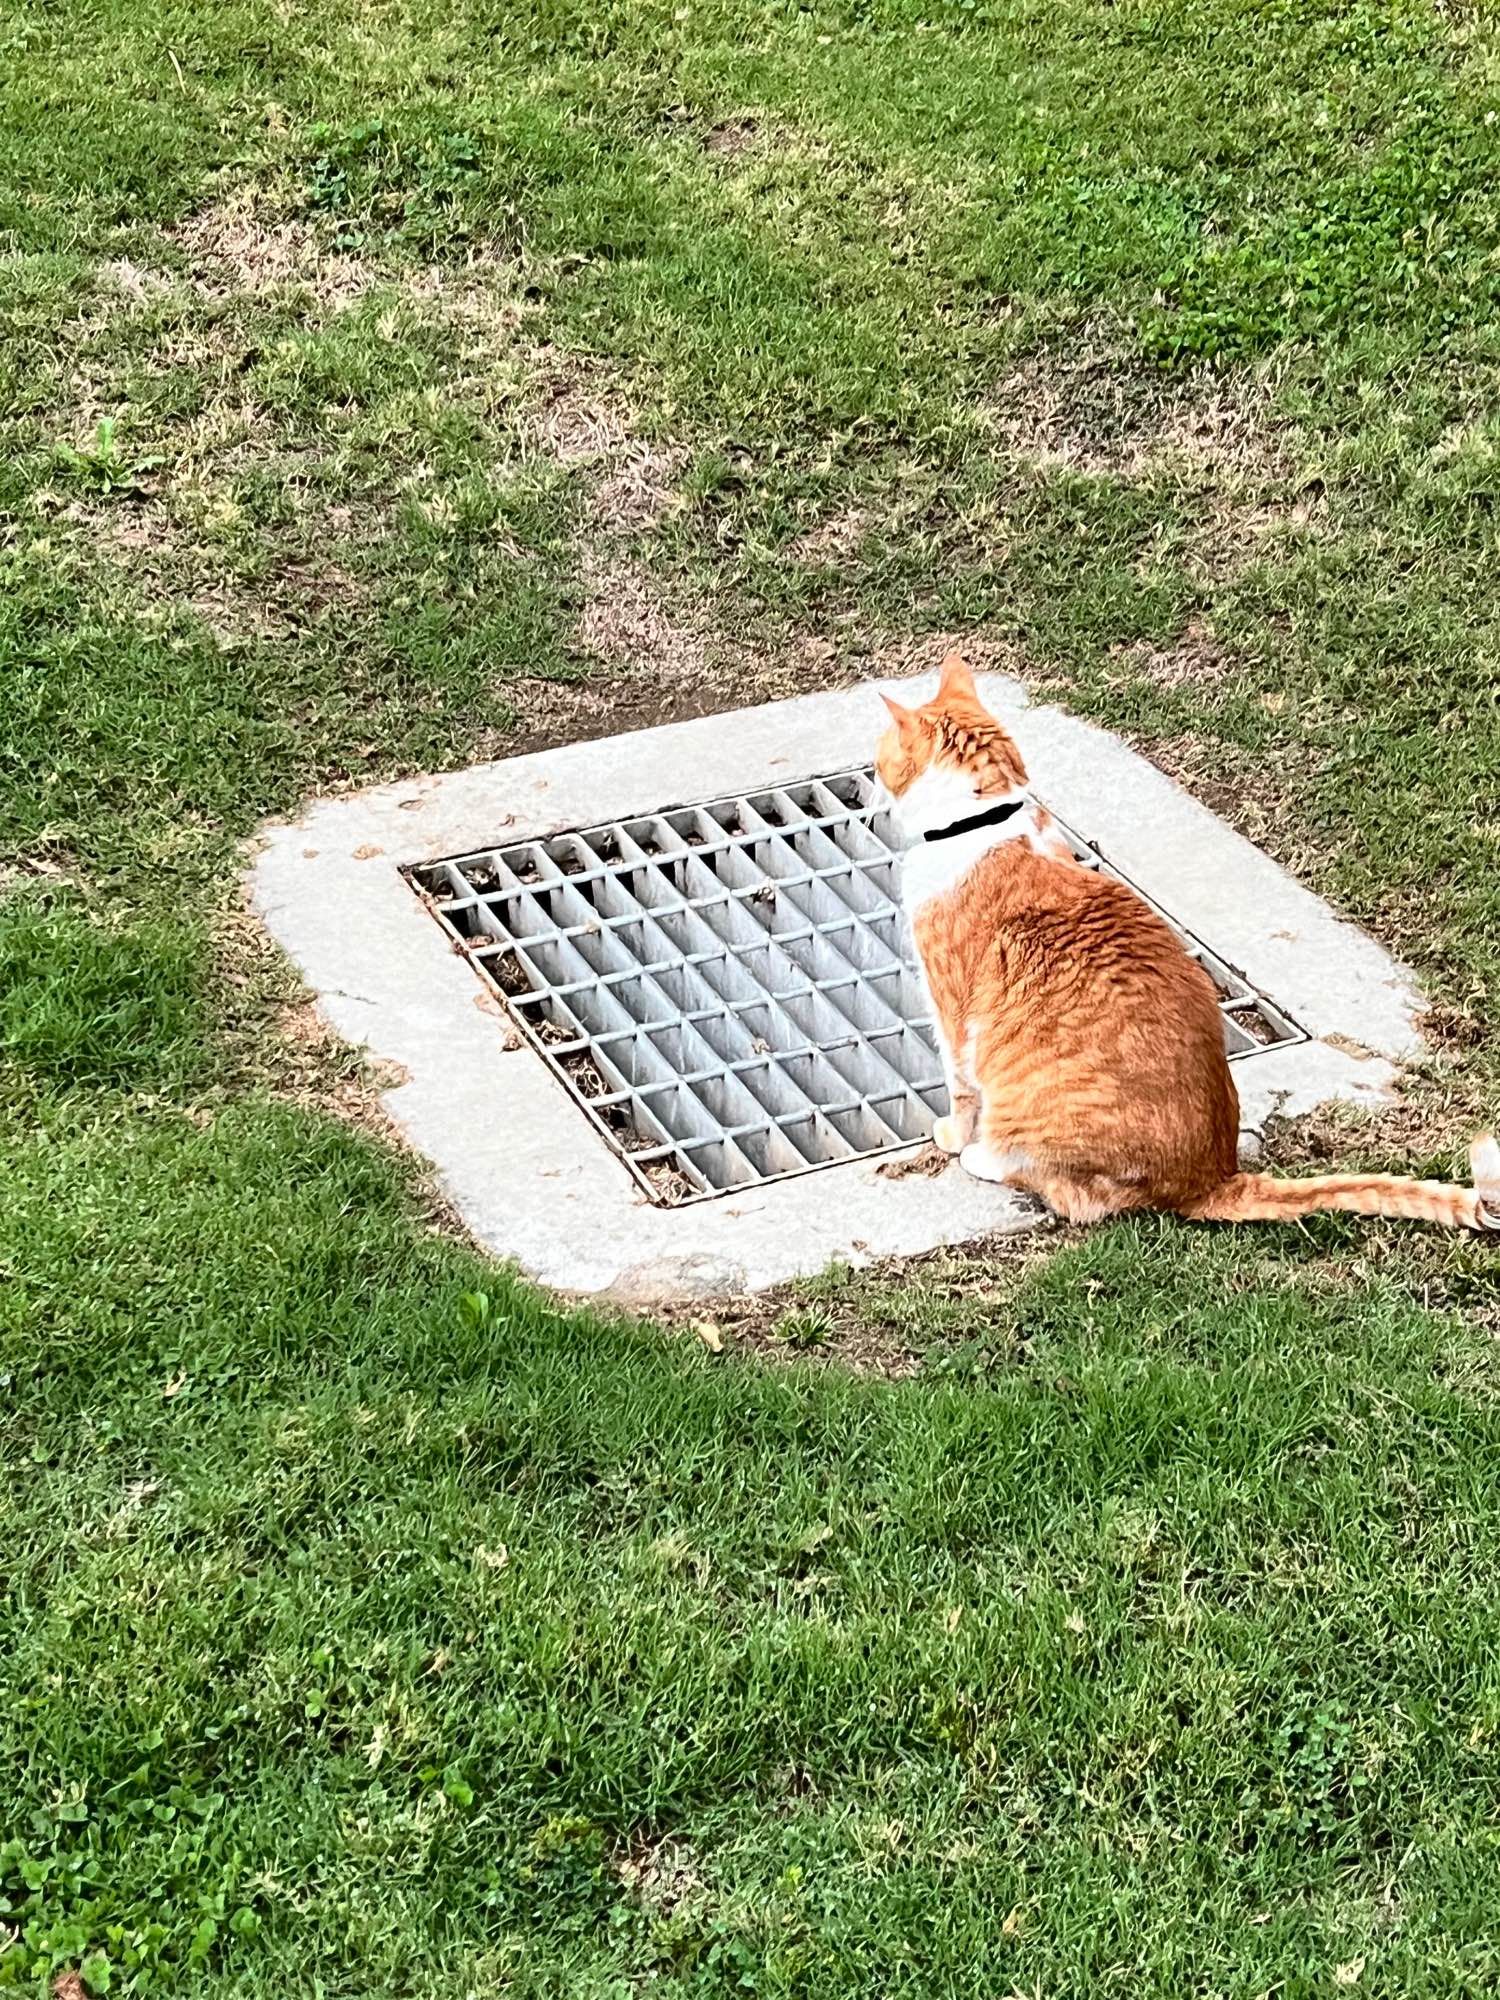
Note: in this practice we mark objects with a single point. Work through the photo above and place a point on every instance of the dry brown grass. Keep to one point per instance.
(661, 1875)
(1195, 659)
(573, 423)
(230, 250)
(176, 536)
(47, 862)
(1220, 448)
(835, 540)
(1091, 410)
(732, 136)
(579, 418)
(1243, 790)
(167, 559)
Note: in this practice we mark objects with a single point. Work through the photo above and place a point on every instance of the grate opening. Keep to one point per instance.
(728, 988)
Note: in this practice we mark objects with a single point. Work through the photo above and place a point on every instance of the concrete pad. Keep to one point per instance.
(515, 1154)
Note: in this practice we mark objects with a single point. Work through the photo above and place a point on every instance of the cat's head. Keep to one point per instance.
(953, 737)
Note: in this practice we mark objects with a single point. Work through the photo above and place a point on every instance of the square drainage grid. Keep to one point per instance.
(728, 989)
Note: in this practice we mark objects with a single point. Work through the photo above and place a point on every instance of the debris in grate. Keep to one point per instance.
(668, 1185)
(729, 989)
(508, 973)
(551, 1032)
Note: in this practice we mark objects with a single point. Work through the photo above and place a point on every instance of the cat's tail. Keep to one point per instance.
(1263, 1198)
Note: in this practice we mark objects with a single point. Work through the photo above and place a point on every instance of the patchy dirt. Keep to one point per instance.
(322, 1072)
(660, 1874)
(1094, 411)
(663, 663)
(1235, 529)
(835, 540)
(54, 865)
(640, 489)
(580, 419)
(230, 249)
(169, 565)
(732, 136)
(624, 624)
(294, 594)
(1221, 447)
(582, 711)
(659, 666)
(657, 650)
(574, 424)
(893, 1319)
(1194, 660)
(1217, 445)
(924, 1165)
(924, 652)
(1428, 1130)
(275, 1041)
(182, 532)
(666, 664)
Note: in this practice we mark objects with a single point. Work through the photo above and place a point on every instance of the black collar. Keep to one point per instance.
(992, 817)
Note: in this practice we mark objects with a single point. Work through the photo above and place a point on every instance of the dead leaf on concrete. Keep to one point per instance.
(488, 1003)
(928, 1164)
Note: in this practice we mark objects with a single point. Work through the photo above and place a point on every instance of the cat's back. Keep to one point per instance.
(1030, 924)
(1085, 1010)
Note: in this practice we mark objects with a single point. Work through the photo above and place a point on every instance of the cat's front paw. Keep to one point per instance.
(984, 1165)
(948, 1135)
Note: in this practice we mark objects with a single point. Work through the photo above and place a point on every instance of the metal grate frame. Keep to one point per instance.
(728, 989)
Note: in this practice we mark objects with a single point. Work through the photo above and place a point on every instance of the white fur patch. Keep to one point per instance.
(948, 1134)
(1484, 1164)
(930, 868)
(986, 1165)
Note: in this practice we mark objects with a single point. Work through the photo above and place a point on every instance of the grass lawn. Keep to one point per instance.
(383, 387)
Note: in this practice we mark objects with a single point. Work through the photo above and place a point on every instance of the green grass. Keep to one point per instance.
(374, 1626)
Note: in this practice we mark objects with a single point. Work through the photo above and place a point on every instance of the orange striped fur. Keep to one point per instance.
(1083, 1047)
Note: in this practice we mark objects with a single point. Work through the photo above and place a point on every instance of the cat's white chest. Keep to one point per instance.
(932, 868)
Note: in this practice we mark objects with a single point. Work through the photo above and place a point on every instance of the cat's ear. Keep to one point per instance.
(909, 724)
(956, 680)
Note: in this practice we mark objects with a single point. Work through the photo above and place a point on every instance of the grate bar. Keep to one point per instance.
(837, 1029)
(649, 1094)
(732, 1044)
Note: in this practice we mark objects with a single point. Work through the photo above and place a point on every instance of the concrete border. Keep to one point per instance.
(536, 1184)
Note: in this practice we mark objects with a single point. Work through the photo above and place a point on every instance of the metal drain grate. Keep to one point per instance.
(727, 988)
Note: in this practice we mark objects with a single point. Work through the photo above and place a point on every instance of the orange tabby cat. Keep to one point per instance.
(1083, 1048)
